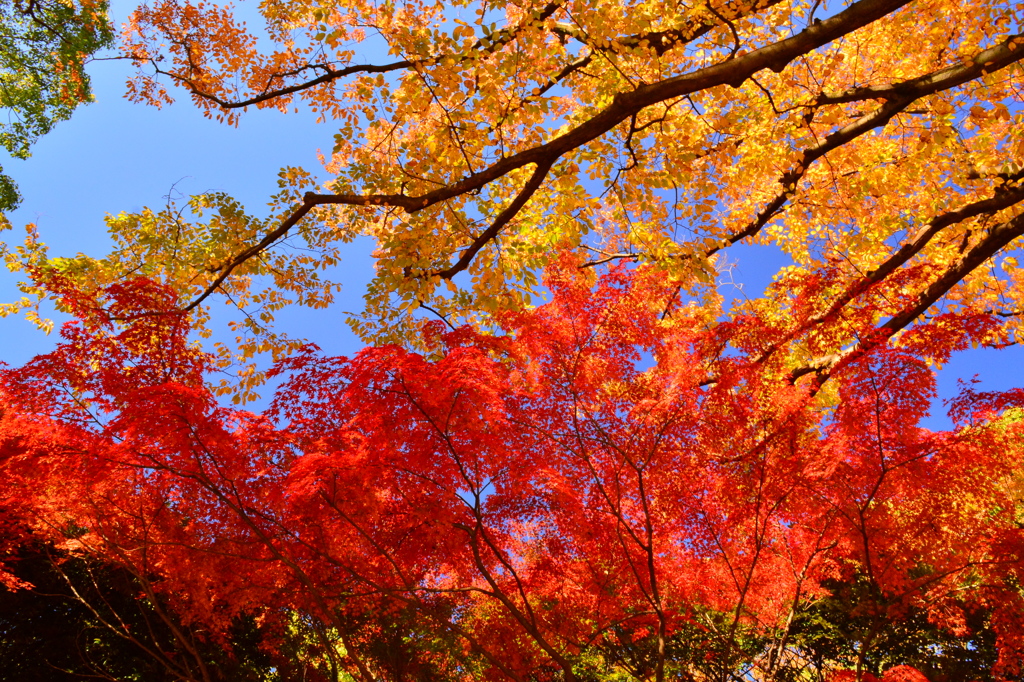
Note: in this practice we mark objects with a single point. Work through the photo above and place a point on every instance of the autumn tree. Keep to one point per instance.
(631, 481)
(543, 503)
(879, 140)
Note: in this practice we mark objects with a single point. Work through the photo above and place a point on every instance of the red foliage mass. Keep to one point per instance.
(599, 476)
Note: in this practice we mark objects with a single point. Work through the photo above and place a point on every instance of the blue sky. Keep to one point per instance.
(115, 156)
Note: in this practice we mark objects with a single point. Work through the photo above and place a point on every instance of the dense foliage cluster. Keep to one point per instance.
(44, 45)
(633, 480)
(597, 492)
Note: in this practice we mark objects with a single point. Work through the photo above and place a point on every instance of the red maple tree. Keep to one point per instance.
(613, 485)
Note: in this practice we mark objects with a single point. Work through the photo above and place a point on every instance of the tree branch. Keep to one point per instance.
(997, 238)
(624, 105)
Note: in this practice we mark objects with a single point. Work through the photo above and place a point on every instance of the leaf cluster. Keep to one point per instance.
(44, 46)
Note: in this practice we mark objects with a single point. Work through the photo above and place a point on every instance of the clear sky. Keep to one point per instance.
(115, 156)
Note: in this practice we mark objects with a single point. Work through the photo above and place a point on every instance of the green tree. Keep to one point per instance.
(44, 46)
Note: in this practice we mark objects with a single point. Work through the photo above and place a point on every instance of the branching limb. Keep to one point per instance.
(995, 239)
(624, 105)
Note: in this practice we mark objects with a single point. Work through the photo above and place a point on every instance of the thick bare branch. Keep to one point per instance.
(917, 243)
(899, 98)
(528, 190)
(987, 61)
(624, 105)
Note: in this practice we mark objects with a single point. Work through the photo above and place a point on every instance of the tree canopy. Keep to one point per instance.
(565, 456)
(878, 141)
(532, 505)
